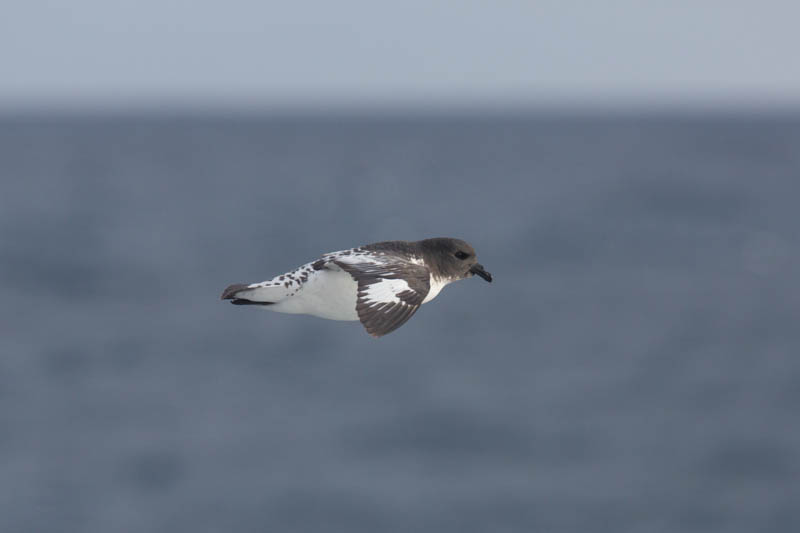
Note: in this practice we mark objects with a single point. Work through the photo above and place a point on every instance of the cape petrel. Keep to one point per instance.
(381, 284)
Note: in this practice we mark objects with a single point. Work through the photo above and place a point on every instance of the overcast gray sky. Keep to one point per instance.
(351, 52)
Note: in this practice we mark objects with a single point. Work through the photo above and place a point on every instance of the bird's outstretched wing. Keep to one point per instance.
(390, 289)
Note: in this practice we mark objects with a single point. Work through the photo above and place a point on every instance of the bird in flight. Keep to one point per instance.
(381, 284)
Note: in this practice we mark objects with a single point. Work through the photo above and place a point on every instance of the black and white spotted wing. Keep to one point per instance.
(390, 290)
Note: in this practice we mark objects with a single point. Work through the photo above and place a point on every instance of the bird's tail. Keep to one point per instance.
(254, 294)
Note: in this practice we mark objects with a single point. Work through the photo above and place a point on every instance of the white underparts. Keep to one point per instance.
(327, 294)
(437, 284)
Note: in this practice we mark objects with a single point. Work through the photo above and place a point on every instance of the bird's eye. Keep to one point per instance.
(462, 255)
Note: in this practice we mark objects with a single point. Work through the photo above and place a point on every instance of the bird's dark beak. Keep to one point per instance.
(477, 268)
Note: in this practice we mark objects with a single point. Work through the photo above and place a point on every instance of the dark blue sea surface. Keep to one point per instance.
(634, 367)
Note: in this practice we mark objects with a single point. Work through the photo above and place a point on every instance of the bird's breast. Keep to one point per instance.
(437, 284)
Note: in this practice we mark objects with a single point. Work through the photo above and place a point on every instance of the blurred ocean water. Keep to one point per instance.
(634, 367)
